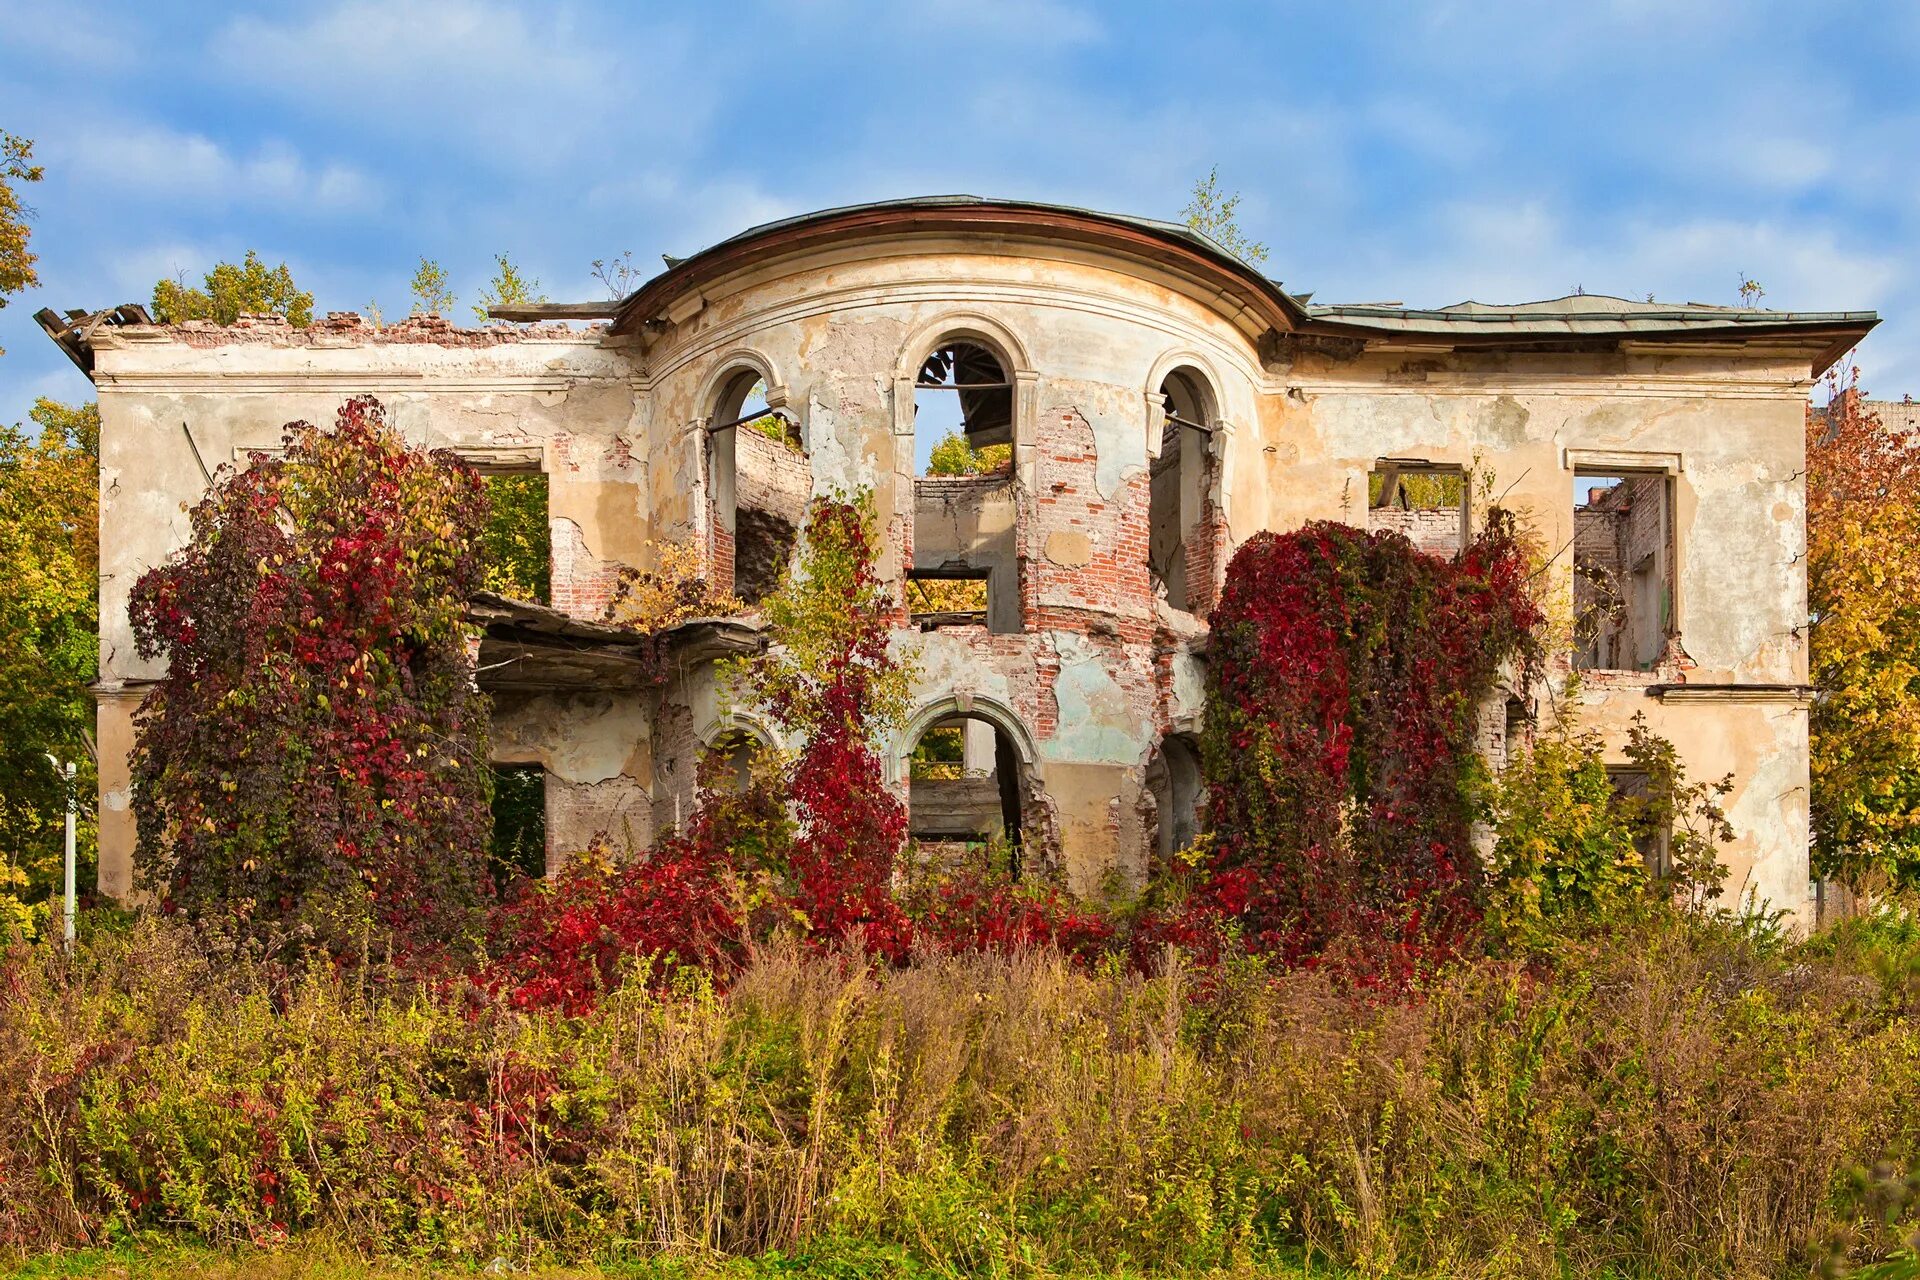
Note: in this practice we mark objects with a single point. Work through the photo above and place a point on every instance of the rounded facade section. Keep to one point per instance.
(1038, 571)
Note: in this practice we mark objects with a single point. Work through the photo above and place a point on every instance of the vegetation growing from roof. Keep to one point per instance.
(1212, 211)
(508, 288)
(233, 290)
(431, 292)
(16, 259)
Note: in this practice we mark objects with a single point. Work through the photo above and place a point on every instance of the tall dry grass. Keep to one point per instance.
(1675, 1102)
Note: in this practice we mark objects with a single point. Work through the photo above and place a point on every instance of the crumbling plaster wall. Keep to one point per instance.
(1102, 669)
(173, 400)
(1089, 678)
(1729, 430)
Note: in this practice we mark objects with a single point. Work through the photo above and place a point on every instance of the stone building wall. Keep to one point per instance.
(1094, 674)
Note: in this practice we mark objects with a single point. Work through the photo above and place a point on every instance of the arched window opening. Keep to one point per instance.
(962, 411)
(966, 792)
(729, 761)
(965, 569)
(1175, 780)
(1179, 550)
(759, 488)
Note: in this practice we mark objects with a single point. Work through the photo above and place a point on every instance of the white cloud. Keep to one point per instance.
(527, 87)
(159, 164)
(77, 34)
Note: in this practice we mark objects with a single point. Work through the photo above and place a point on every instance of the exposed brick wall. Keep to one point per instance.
(273, 330)
(770, 477)
(1435, 530)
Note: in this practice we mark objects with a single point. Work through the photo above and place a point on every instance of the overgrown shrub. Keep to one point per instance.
(1668, 1101)
(1570, 851)
(831, 682)
(1344, 675)
(314, 761)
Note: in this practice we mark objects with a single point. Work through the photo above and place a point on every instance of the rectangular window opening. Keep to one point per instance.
(1424, 503)
(517, 541)
(1630, 793)
(1623, 564)
(948, 599)
(519, 844)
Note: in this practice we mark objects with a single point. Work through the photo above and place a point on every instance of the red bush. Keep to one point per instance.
(1345, 673)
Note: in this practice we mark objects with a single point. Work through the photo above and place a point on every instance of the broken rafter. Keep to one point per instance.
(533, 311)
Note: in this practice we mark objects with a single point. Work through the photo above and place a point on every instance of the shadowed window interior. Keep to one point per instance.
(1178, 481)
(966, 791)
(519, 844)
(753, 540)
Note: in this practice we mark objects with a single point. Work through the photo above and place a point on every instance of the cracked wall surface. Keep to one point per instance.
(1098, 668)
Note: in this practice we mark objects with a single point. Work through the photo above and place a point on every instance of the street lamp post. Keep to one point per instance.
(73, 801)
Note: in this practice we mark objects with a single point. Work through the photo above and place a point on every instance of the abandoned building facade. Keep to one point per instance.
(1137, 403)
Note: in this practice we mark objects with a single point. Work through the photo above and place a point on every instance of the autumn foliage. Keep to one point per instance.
(314, 761)
(1345, 673)
(1863, 594)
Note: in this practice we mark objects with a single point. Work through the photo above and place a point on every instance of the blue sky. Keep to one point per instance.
(1425, 153)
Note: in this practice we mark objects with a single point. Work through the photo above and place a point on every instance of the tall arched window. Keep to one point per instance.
(962, 398)
(758, 488)
(1179, 542)
(965, 564)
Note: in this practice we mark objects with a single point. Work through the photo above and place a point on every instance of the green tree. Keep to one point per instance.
(1211, 213)
(955, 456)
(16, 260)
(518, 546)
(508, 288)
(49, 610)
(248, 288)
(431, 294)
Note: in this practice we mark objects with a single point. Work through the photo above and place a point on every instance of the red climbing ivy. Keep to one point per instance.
(1345, 674)
(314, 760)
(831, 682)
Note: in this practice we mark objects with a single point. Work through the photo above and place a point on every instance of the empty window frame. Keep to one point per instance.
(1427, 504)
(962, 411)
(1175, 780)
(1651, 837)
(1178, 488)
(517, 540)
(1623, 569)
(752, 543)
(519, 844)
(966, 787)
(947, 599)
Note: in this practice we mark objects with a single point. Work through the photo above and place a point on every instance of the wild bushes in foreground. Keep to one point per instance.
(1672, 1101)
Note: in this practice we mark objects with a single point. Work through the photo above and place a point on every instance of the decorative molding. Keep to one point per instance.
(964, 295)
(1788, 695)
(1606, 461)
(1559, 383)
(338, 381)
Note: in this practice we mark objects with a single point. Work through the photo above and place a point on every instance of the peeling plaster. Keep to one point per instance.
(1097, 722)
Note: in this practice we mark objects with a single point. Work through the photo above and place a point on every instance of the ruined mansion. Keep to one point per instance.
(1136, 401)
